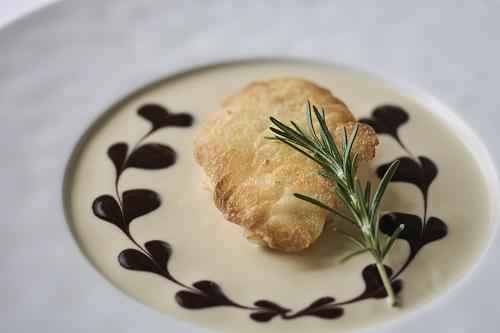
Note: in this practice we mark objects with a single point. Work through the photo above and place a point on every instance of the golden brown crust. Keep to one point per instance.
(254, 178)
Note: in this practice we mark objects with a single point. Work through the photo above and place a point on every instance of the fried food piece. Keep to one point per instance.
(254, 178)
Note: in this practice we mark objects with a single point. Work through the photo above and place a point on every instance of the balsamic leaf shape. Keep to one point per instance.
(160, 117)
(270, 305)
(374, 287)
(152, 156)
(319, 303)
(106, 208)
(118, 153)
(412, 228)
(435, 229)
(195, 300)
(323, 308)
(387, 119)
(160, 251)
(137, 261)
(209, 295)
(420, 174)
(139, 202)
(212, 289)
(416, 234)
(326, 312)
(271, 310)
(263, 316)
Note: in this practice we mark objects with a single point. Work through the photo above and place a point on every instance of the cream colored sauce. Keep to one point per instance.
(207, 247)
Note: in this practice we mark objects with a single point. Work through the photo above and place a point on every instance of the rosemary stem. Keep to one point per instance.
(338, 166)
(392, 298)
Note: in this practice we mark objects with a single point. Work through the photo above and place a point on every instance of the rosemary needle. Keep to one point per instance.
(339, 167)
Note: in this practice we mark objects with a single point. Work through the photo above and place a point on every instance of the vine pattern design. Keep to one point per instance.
(123, 208)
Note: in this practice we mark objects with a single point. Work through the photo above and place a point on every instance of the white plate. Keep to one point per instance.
(65, 65)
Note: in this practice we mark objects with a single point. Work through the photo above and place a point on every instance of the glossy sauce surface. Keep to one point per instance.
(168, 246)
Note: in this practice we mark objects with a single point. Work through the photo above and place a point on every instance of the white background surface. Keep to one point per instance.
(12, 9)
(60, 68)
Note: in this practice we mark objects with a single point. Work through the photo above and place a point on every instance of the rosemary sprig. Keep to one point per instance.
(338, 166)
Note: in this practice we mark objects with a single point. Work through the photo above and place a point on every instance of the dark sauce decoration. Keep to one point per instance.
(416, 170)
(387, 119)
(153, 256)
